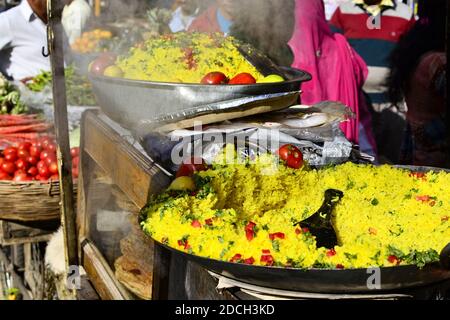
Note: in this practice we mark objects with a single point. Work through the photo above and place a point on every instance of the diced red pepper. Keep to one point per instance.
(418, 175)
(250, 230)
(236, 258)
(423, 198)
(266, 251)
(331, 253)
(298, 231)
(340, 266)
(267, 259)
(444, 218)
(209, 222)
(373, 231)
(196, 224)
(305, 230)
(393, 259)
(249, 261)
(249, 234)
(432, 203)
(250, 226)
(278, 235)
(184, 243)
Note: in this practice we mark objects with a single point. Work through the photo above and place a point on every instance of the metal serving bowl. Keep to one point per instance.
(129, 102)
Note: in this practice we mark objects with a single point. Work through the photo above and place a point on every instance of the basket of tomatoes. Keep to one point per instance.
(29, 180)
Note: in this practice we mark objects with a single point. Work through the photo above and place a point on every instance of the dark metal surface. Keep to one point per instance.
(329, 281)
(131, 101)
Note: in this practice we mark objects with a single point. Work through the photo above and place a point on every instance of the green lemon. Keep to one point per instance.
(271, 79)
(113, 71)
(182, 184)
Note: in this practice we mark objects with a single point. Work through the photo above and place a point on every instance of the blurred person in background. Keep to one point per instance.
(75, 17)
(338, 72)
(373, 28)
(23, 38)
(218, 17)
(183, 15)
(418, 76)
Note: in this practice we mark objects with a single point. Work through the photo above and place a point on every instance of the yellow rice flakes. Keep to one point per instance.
(185, 58)
(380, 212)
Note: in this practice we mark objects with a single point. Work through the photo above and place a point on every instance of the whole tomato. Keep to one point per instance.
(23, 154)
(44, 172)
(40, 164)
(21, 177)
(74, 152)
(11, 157)
(22, 165)
(33, 171)
(51, 147)
(8, 167)
(243, 78)
(291, 155)
(53, 168)
(75, 162)
(32, 160)
(190, 166)
(215, 78)
(10, 150)
(4, 176)
(35, 150)
(24, 146)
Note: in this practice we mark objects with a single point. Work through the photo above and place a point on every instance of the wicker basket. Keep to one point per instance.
(30, 201)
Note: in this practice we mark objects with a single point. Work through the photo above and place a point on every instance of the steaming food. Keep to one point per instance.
(185, 58)
(244, 212)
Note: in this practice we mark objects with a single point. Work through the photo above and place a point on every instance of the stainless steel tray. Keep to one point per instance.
(130, 102)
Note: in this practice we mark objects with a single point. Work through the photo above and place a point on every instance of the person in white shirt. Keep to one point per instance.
(183, 16)
(23, 40)
(75, 17)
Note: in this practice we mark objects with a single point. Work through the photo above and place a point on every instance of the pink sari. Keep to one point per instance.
(338, 72)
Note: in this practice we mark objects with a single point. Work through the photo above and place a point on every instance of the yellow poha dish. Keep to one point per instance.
(185, 58)
(244, 213)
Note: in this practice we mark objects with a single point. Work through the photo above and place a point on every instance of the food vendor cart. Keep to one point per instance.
(116, 178)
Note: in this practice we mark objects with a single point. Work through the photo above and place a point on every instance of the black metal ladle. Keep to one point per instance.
(319, 224)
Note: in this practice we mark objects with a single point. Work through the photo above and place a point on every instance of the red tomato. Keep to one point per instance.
(51, 147)
(54, 177)
(21, 177)
(49, 160)
(190, 166)
(291, 155)
(32, 160)
(33, 171)
(9, 167)
(11, 157)
(215, 78)
(21, 165)
(243, 78)
(4, 176)
(75, 173)
(1, 161)
(74, 152)
(35, 151)
(46, 142)
(75, 162)
(44, 172)
(40, 164)
(23, 154)
(45, 154)
(24, 146)
(37, 177)
(196, 224)
(53, 168)
(10, 150)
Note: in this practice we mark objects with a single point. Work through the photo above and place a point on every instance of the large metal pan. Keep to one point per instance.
(331, 281)
(130, 101)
